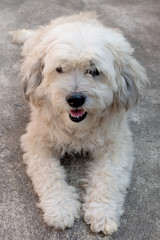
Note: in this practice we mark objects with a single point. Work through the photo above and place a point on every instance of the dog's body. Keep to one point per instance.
(80, 78)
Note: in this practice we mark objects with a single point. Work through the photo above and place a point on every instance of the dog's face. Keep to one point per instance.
(81, 70)
(79, 87)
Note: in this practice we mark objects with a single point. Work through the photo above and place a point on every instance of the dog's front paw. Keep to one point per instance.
(59, 210)
(100, 217)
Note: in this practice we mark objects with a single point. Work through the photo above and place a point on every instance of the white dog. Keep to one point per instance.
(80, 78)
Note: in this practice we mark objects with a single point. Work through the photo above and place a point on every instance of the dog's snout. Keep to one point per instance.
(75, 99)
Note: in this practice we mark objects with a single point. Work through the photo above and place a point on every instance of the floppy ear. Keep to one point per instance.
(32, 74)
(131, 78)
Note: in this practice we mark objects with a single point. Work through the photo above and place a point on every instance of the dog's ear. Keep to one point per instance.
(32, 75)
(131, 77)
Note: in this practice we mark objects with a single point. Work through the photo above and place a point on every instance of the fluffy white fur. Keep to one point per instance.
(78, 45)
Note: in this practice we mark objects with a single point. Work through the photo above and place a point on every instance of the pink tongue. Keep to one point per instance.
(77, 113)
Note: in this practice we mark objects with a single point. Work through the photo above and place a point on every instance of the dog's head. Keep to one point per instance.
(82, 70)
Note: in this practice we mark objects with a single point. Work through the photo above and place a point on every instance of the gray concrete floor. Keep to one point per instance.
(19, 217)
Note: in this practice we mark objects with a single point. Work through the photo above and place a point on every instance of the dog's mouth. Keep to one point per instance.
(77, 115)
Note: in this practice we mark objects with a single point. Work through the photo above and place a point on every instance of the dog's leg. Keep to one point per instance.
(58, 200)
(107, 180)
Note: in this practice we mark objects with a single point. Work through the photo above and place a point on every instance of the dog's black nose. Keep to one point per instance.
(75, 99)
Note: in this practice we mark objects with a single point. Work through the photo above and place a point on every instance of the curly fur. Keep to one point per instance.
(75, 44)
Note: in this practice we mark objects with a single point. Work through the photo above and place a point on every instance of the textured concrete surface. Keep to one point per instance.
(19, 217)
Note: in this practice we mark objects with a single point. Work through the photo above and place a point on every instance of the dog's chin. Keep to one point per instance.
(77, 115)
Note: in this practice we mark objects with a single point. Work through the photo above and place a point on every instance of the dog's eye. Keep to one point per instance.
(59, 70)
(94, 72)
